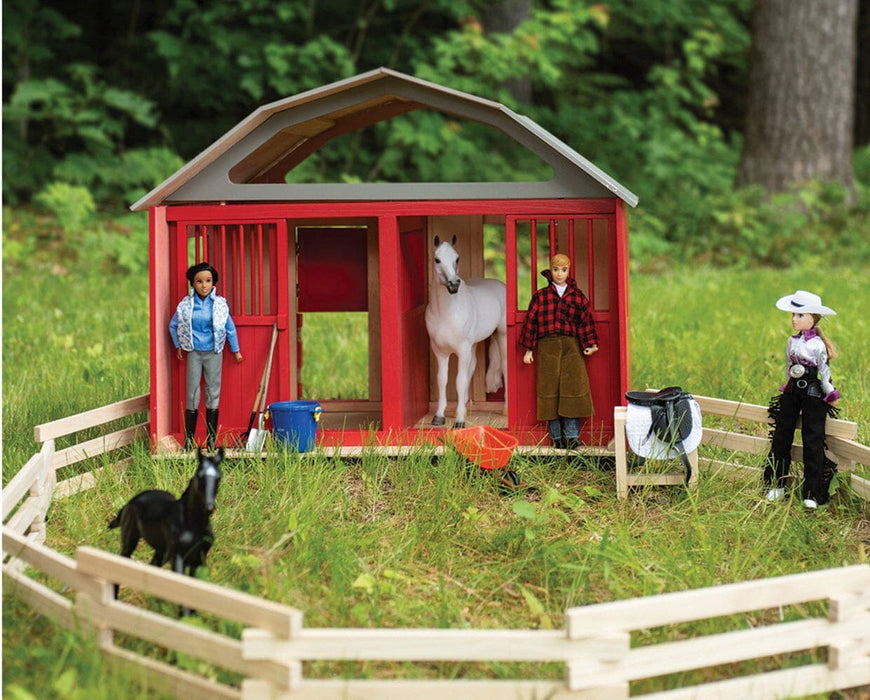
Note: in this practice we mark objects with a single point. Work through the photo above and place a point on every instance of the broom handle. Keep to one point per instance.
(261, 390)
(267, 374)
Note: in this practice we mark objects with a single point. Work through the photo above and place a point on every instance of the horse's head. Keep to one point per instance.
(208, 477)
(447, 264)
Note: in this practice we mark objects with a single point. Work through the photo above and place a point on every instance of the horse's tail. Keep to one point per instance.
(493, 372)
(117, 521)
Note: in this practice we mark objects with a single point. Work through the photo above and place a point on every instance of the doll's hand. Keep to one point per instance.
(179, 353)
(238, 356)
(591, 350)
(529, 357)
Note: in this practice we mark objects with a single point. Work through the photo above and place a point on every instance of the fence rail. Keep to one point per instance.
(598, 646)
(840, 439)
(840, 444)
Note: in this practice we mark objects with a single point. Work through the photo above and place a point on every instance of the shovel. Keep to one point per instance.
(257, 436)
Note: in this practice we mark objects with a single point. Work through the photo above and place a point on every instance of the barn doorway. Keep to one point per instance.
(337, 352)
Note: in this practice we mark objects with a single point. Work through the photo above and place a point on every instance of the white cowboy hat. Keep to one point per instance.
(802, 302)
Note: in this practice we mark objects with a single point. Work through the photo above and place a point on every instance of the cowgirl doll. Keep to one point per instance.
(559, 325)
(200, 327)
(807, 393)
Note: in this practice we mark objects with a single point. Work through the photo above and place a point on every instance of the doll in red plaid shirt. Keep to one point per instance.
(560, 328)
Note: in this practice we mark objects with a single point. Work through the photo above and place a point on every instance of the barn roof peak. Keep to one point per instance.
(249, 162)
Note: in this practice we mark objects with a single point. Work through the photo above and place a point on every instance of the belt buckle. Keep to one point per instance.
(802, 383)
(797, 371)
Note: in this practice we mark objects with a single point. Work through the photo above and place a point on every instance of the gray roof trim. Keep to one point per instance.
(206, 177)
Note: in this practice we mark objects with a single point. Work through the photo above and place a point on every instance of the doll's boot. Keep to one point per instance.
(211, 423)
(190, 429)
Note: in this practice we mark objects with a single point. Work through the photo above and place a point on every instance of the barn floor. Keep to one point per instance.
(472, 418)
(400, 450)
(339, 421)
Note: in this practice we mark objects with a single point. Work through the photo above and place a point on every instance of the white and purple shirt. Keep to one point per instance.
(808, 349)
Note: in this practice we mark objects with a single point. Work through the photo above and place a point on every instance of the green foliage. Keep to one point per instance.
(120, 180)
(72, 206)
(652, 93)
(80, 124)
(813, 225)
(810, 227)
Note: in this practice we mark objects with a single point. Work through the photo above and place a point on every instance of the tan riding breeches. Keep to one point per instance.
(562, 380)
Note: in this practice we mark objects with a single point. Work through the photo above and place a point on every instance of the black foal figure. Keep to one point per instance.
(179, 530)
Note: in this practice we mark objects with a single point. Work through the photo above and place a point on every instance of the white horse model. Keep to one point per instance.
(459, 315)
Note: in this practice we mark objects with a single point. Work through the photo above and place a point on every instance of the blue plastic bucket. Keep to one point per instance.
(294, 423)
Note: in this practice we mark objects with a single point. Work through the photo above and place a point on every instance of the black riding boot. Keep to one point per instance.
(211, 423)
(190, 429)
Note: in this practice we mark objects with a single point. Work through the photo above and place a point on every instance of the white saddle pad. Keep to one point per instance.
(642, 442)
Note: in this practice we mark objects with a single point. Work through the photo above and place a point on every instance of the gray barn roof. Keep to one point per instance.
(248, 163)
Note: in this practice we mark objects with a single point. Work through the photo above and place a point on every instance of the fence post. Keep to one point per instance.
(611, 647)
(255, 637)
(619, 418)
(87, 603)
(43, 488)
(842, 608)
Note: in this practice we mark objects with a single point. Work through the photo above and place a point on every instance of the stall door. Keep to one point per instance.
(589, 242)
(251, 260)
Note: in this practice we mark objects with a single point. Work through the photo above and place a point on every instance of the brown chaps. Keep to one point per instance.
(562, 381)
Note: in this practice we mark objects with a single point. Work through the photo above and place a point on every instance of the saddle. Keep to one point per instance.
(670, 418)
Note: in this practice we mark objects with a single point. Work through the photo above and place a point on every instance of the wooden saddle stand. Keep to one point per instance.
(671, 416)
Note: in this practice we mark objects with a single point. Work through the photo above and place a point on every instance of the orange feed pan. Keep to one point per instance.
(487, 447)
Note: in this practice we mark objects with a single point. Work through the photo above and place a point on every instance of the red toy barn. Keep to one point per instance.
(271, 242)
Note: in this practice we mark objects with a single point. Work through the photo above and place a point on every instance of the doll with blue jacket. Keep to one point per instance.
(201, 328)
(809, 394)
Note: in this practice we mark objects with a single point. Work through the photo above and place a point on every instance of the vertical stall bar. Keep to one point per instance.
(223, 247)
(242, 304)
(591, 262)
(571, 245)
(533, 238)
(259, 276)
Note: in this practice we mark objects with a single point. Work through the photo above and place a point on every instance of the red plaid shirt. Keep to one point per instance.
(550, 314)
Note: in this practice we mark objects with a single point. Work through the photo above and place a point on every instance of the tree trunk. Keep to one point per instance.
(800, 116)
(862, 97)
(503, 18)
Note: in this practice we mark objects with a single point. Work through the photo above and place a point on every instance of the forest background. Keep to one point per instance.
(102, 101)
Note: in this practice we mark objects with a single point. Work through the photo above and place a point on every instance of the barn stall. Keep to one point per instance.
(286, 251)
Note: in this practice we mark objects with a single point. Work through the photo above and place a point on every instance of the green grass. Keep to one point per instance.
(405, 542)
(339, 367)
(718, 333)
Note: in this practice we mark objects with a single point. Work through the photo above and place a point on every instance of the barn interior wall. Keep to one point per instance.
(324, 242)
(415, 341)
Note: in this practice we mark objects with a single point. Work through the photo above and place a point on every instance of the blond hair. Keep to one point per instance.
(833, 353)
(560, 260)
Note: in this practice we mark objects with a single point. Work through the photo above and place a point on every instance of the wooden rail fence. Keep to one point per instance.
(840, 444)
(600, 645)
